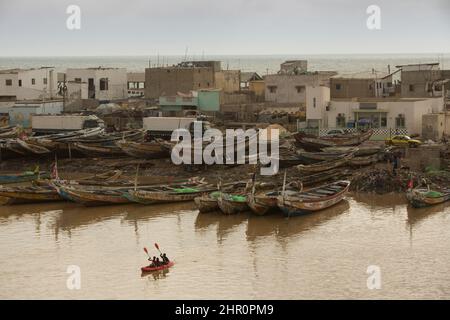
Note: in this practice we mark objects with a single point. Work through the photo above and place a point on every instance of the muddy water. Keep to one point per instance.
(323, 255)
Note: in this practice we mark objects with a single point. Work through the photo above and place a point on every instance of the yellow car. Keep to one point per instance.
(403, 141)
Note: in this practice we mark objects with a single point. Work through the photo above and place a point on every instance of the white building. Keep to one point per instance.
(403, 115)
(317, 101)
(103, 84)
(28, 84)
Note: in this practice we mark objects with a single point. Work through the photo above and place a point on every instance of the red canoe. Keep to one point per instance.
(150, 269)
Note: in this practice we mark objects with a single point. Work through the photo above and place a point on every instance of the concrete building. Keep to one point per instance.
(136, 84)
(104, 84)
(168, 81)
(247, 77)
(362, 85)
(291, 88)
(385, 115)
(258, 89)
(421, 80)
(228, 81)
(28, 84)
(294, 67)
(317, 103)
(21, 113)
(435, 126)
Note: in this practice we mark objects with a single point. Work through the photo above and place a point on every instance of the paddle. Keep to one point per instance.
(145, 249)
(157, 247)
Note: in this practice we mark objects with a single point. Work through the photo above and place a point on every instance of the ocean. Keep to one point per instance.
(263, 64)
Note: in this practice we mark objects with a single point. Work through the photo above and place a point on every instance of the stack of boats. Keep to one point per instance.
(93, 142)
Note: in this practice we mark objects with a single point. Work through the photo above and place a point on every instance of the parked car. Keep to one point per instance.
(402, 140)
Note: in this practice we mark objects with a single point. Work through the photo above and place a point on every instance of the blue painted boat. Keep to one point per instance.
(23, 177)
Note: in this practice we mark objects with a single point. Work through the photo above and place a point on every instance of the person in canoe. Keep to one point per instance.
(164, 258)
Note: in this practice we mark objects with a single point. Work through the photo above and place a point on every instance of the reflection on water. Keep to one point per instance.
(321, 255)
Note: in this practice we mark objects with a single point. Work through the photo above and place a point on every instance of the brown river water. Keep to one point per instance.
(320, 256)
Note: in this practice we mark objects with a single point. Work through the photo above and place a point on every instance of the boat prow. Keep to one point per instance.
(152, 269)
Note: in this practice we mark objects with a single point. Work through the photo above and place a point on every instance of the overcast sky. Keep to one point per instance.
(147, 27)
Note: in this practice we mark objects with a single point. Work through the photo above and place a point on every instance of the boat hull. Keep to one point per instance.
(262, 204)
(153, 269)
(228, 206)
(419, 199)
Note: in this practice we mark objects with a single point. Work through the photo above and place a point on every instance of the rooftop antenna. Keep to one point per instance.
(185, 53)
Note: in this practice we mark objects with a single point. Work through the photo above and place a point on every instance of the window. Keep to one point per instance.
(272, 89)
(400, 121)
(8, 82)
(103, 84)
(44, 80)
(411, 87)
(338, 86)
(77, 79)
(33, 81)
(314, 102)
(20, 83)
(300, 89)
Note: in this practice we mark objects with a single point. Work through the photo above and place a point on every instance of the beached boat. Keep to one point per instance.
(363, 161)
(294, 203)
(9, 132)
(90, 197)
(312, 179)
(170, 195)
(96, 150)
(145, 150)
(360, 151)
(22, 177)
(424, 197)
(314, 157)
(232, 203)
(18, 195)
(324, 165)
(313, 143)
(31, 148)
(207, 202)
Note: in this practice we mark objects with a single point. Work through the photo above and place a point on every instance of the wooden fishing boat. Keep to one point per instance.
(363, 161)
(18, 195)
(207, 202)
(324, 165)
(312, 143)
(90, 197)
(294, 203)
(314, 157)
(32, 148)
(423, 197)
(22, 177)
(263, 203)
(169, 195)
(232, 203)
(145, 150)
(92, 150)
(312, 179)
(9, 132)
(359, 151)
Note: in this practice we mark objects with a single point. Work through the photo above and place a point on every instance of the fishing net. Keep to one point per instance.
(238, 198)
(433, 194)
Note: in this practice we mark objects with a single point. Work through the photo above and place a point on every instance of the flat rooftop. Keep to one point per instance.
(381, 99)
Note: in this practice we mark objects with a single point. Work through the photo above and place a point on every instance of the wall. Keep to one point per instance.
(286, 86)
(21, 113)
(169, 81)
(315, 110)
(117, 81)
(420, 80)
(29, 91)
(228, 80)
(258, 87)
(209, 100)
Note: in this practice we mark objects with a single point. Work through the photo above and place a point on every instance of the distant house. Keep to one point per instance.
(424, 80)
(103, 84)
(247, 77)
(362, 85)
(136, 84)
(28, 84)
(184, 77)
